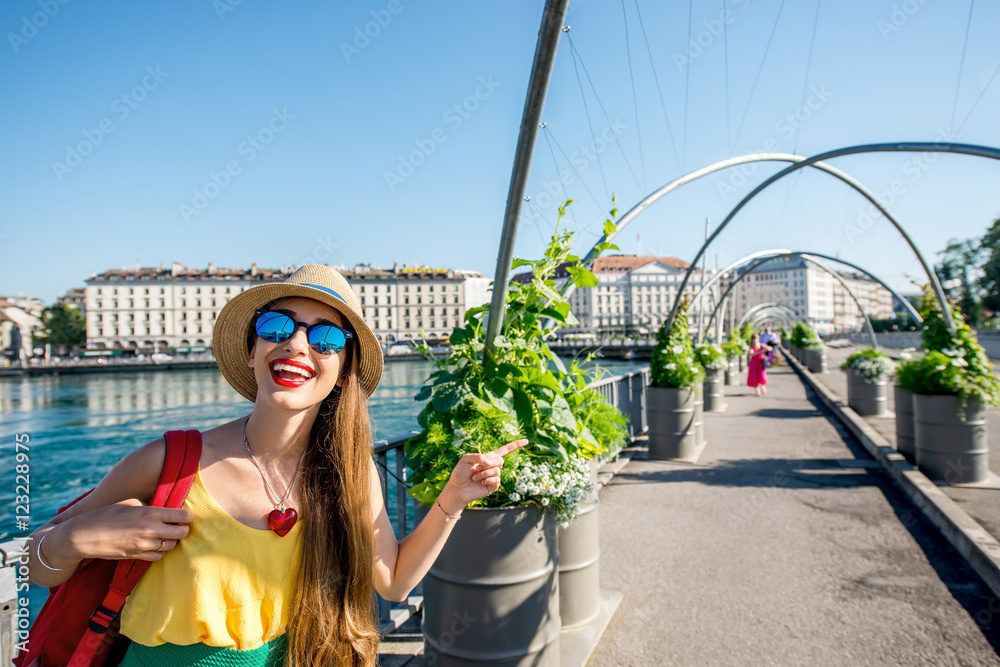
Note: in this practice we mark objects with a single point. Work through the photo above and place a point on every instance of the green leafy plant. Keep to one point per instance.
(674, 363)
(785, 334)
(479, 400)
(870, 364)
(711, 357)
(955, 365)
(606, 423)
(734, 347)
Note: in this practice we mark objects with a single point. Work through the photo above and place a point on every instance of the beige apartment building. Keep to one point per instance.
(633, 295)
(162, 309)
(813, 294)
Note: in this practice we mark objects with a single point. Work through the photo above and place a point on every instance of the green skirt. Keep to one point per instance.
(271, 654)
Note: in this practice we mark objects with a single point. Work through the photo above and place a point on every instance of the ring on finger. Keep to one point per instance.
(163, 543)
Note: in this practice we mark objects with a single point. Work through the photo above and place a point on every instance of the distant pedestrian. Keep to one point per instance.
(757, 373)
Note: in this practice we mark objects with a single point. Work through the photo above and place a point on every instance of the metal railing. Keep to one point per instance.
(626, 392)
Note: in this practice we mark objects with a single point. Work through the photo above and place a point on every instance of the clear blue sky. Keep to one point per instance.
(332, 121)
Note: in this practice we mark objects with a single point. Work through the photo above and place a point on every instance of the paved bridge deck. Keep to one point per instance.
(783, 545)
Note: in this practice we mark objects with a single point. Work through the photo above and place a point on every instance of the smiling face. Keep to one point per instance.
(291, 375)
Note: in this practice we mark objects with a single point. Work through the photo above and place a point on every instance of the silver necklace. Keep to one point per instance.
(280, 520)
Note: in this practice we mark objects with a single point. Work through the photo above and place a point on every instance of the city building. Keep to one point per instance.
(812, 293)
(20, 319)
(633, 295)
(75, 298)
(146, 310)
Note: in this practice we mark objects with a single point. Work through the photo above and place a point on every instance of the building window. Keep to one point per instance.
(418, 288)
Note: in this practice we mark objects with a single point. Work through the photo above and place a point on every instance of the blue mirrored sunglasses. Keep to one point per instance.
(275, 327)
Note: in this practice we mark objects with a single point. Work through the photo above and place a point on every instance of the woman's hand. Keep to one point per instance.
(128, 529)
(476, 476)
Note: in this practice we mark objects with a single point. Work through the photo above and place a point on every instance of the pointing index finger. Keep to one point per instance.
(509, 447)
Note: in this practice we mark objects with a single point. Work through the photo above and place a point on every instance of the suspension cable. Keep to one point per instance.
(725, 46)
(607, 118)
(978, 99)
(586, 110)
(635, 103)
(548, 134)
(961, 65)
(687, 79)
(756, 79)
(659, 90)
(805, 82)
(555, 163)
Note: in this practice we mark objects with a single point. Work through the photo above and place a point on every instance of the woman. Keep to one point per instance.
(757, 373)
(273, 557)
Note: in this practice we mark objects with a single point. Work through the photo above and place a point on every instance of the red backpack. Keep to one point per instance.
(78, 626)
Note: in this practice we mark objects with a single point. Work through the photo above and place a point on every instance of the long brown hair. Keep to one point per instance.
(332, 618)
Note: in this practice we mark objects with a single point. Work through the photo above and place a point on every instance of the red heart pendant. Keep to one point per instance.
(282, 522)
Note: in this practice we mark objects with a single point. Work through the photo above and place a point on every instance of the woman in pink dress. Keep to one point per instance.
(757, 373)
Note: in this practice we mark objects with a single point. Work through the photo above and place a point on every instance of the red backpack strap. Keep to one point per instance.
(180, 465)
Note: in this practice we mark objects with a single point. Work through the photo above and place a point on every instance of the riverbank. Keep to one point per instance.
(133, 366)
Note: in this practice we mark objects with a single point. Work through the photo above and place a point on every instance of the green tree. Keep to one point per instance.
(989, 245)
(958, 262)
(62, 327)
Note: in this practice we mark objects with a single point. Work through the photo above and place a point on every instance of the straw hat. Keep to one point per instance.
(312, 281)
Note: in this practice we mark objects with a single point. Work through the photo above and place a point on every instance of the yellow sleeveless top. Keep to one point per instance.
(225, 584)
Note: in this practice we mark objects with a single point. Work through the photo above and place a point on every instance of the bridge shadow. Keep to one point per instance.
(762, 473)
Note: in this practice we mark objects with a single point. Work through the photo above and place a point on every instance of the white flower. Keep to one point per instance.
(677, 349)
(671, 366)
(515, 497)
(940, 368)
(545, 502)
(959, 362)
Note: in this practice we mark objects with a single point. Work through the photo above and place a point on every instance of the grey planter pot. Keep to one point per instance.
(715, 394)
(492, 595)
(904, 423)
(950, 450)
(699, 415)
(868, 399)
(743, 362)
(732, 373)
(579, 553)
(815, 361)
(579, 578)
(670, 414)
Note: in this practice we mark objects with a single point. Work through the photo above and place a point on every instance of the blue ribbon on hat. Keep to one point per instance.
(324, 289)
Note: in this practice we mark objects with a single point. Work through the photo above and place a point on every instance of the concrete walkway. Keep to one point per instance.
(983, 505)
(780, 547)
